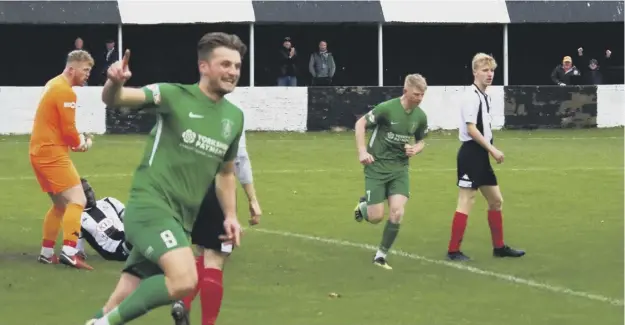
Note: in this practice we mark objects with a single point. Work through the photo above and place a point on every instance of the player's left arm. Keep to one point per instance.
(420, 135)
(226, 181)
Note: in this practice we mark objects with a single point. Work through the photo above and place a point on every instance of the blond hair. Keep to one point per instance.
(415, 80)
(80, 56)
(483, 59)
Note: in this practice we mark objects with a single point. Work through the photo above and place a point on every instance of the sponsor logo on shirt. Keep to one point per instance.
(69, 105)
(202, 144)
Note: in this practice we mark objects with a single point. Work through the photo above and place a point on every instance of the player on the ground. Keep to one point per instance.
(473, 165)
(386, 158)
(53, 135)
(206, 234)
(193, 143)
(102, 227)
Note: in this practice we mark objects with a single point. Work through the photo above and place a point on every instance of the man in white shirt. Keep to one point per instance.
(473, 164)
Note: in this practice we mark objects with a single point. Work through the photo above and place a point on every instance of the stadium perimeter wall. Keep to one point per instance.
(303, 109)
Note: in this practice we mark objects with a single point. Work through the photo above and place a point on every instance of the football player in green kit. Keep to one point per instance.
(193, 143)
(399, 126)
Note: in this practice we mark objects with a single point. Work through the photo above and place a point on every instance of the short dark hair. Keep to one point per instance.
(210, 41)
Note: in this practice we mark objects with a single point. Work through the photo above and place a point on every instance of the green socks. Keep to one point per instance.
(363, 210)
(151, 293)
(388, 236)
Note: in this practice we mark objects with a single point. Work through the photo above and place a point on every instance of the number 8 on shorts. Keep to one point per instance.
(169, 239)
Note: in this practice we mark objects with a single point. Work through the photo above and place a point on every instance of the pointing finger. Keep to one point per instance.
(126, 59)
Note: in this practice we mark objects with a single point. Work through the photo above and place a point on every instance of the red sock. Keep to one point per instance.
(48, 243)
(211, 292)
(496, 227)
(457, 231)
(188, 300)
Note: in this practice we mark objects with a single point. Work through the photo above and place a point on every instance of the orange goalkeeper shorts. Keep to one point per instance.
(55, 174)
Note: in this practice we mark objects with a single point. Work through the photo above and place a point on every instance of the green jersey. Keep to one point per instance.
(192, 137)
(393, 127)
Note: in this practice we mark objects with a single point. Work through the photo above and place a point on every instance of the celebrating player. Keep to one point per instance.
(473, 164)
(387, 175)
(54, 132)
(102, 227)
(193, 144)
(207, 233)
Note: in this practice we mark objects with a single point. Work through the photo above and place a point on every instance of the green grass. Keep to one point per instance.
(563, 192)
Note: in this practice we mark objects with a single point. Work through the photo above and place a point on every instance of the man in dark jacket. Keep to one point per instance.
(287, 68)
(566, 73)
(593, 75)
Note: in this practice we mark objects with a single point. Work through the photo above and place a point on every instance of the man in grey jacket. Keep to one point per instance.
(321, 66)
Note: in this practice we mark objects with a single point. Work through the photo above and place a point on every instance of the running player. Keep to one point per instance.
(53, 134)
(386, 159)
(193, 144)
(473, 165)
(102, 227)
(213, 251)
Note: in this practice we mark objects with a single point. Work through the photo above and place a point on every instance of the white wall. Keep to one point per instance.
(284, 108)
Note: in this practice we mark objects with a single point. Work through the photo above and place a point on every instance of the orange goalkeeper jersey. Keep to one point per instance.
(54, 129)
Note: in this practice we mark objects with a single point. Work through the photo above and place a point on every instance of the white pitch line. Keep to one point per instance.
(337, 170)
(455, 265)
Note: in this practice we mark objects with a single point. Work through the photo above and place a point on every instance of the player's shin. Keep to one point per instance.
(391, 229)
(51, 228)
(211, 294)
(188, 300)
(363, 210)
(151, 293)
(458, 226)
(495, 222)
(71, 227)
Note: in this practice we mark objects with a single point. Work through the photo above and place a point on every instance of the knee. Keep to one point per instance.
(466, 199)
(375, 214)
(182, 284)
(76, 196)
(214, 259)
(396, 214)
(495, 203)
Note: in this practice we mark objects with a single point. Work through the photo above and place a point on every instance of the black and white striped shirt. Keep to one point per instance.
(102, 226)
(476, 109)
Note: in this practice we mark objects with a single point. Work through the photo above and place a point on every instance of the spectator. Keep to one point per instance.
(321, 66)
(78, 44)
(110, 57)
(593, 75)
(288, 68)
(566, 73)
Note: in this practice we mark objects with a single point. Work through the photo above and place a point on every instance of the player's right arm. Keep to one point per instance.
(470, 112)
(114, 94)
(372, 118)
(65, 102)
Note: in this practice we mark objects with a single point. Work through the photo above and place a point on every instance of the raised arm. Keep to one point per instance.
(114, 94)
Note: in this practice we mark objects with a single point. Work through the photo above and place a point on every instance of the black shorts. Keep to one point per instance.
(209, 224)
(473, 166)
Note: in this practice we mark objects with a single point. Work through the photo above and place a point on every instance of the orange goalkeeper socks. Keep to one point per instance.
(71, 227)
(51, 227)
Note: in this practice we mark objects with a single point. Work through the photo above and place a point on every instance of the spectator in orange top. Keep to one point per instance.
(53, 135)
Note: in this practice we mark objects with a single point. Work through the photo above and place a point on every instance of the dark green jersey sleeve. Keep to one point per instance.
(422, 131)
(378, 115)
(155, 97)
